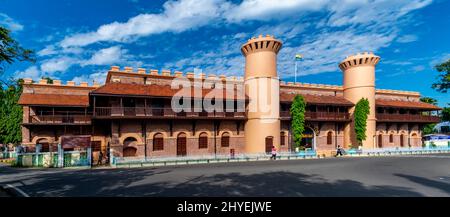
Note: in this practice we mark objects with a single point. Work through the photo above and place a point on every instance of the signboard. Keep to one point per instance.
(74, 142)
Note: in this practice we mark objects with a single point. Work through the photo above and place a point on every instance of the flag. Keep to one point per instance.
(298, 56)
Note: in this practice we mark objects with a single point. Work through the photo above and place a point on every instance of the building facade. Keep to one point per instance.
(133, 113)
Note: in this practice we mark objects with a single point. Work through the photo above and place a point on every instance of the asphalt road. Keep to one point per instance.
(425, 175)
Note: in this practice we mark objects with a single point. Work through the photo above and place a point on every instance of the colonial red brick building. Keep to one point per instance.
(131, 114)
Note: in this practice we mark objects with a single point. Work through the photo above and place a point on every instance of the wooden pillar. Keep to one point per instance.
(94, 112)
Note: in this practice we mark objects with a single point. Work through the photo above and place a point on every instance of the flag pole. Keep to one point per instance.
(295, 79)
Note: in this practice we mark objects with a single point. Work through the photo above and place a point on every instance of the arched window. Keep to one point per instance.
(225, 140)
(181, 144)
(414, 135)
(158, 142)
(329, 138)
(129, 141)
(203, 140)
(391, 138)
(282, 138)
(402, 140)
(380, 141)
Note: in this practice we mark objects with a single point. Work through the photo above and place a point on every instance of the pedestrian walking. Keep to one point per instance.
(274, 153)
(100, 158)
(339, 151)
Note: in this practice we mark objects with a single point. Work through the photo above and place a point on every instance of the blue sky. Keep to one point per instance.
(79, 39)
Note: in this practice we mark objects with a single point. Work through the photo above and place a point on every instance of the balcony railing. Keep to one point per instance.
(319, 116)
(60, 119)
(407, 118)
(131, 112)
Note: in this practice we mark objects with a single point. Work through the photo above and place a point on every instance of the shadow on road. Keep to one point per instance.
(144, 182)
(427, 182)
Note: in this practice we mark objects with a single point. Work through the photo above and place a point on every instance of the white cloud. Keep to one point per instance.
(324, 52)
(111, 55)
(269, 9)
(177, 16)
(98, 77)
(418, 68)
(31, 72)
(407, 39)
(59, 64)
(48, 50)
(346, 27)
(10, 23)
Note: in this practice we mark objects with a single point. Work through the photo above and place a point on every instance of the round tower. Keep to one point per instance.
(359, 82)
(262, 128)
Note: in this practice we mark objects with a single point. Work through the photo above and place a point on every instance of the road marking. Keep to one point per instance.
(423, 156)
(18, 190)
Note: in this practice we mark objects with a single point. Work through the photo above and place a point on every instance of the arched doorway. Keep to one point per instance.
(129, 152)
(402, 140)
(45, 145)
(128, 149)
(308, 139)
(269, 144)
(181, 144)
(380, 140)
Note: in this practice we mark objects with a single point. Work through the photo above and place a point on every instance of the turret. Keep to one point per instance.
(359, 82)
(262, 128)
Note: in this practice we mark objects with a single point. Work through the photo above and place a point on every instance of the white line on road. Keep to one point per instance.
(422, 156)
(18, 190)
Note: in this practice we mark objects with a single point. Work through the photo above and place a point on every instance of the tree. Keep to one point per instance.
(298, 109)
(429, 100)
(445, 114)
(429, 128)
(362, 111)
(10, 110)
(11, 51)
(49, 80)
(443, 84)
(11, 114)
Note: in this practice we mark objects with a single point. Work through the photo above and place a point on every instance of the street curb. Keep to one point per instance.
(13, 191)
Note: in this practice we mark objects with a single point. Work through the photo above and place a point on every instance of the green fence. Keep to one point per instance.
(51, 159)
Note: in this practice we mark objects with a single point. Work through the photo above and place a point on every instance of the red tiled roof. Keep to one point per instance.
(405, 104)
(147, 90)
(54, 100)
(317, 99)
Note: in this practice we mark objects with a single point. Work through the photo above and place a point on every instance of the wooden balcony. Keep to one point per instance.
(384, 117)
(319, 116)
(59, 120)
(160, 113)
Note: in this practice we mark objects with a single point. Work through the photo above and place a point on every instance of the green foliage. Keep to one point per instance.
(428, 129)
(49, 80)
(10, 114)
(10, 111)
(11, 51)
(429, 100)
(443, 84)
(433, 145)
(298, 109)
(445, 114)
(362, 111)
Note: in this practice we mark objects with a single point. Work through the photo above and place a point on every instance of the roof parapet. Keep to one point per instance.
(165, 72)
(141, 70)
(153, 72)
(366, 58)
